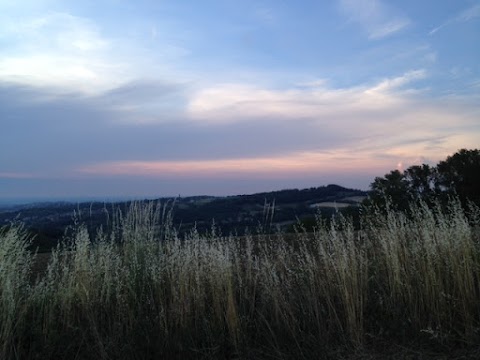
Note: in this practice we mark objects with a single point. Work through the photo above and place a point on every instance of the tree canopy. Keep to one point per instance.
(458, 175)
(461, 173)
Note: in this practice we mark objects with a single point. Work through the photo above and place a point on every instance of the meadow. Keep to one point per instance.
(403, 285)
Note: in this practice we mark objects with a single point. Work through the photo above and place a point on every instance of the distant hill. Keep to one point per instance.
(232, 214)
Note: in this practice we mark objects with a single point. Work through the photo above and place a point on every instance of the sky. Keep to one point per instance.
(114, 98)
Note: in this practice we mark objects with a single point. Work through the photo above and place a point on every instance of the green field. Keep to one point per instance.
(404, 285)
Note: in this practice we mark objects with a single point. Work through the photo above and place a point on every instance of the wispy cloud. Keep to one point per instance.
(466, 15)
(234, 102)
(398, 82)
(71, 53)
(60, 50)
(377, 18)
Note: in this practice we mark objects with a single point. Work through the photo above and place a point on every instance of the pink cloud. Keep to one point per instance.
(307, 163)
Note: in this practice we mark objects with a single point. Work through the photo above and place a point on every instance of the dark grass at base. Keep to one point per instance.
(426, 347)
(389, 350)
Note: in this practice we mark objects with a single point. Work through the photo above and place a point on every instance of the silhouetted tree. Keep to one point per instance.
(460, 174)
(422, 182)
(394, 187)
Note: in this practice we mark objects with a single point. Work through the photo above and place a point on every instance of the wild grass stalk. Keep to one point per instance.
(137, 290)
(15, 264)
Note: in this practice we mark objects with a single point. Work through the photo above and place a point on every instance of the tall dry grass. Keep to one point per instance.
(136, 290)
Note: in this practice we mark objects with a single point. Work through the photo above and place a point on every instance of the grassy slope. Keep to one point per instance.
(399, 287)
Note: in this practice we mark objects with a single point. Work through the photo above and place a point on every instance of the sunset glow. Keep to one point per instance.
(147, 98)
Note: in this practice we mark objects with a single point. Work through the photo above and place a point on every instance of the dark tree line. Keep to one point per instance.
(458, 175)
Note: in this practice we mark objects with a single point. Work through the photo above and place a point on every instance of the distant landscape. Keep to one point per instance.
(325, 272)
(47, 221)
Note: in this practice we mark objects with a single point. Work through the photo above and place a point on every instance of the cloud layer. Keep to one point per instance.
(228, 130)
(470, 13)
(377, 18)
(152, 95)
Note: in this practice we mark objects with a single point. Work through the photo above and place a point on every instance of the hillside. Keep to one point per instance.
(231, 214)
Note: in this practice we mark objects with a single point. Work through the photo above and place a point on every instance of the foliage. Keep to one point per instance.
(458, 175)
(461, 174)
(393, 186)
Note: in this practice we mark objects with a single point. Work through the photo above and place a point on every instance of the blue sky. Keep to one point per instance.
(154, 98)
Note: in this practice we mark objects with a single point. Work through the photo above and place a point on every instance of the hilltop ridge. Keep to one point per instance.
(234, 213)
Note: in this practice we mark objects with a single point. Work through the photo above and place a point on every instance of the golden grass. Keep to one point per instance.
(138, 290)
